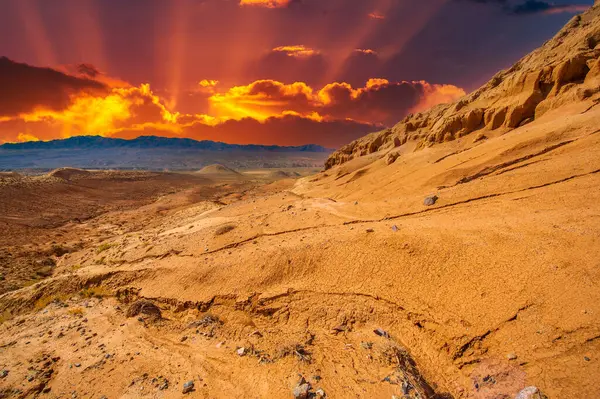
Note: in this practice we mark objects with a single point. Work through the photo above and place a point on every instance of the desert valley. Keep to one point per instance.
(454, 255)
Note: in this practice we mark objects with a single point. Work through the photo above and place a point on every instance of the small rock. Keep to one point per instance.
(382, 333)
(391, 158)
(103, 397)
(320, 393)
(511, 356)
(394, 228)
(430, 200)
(302, 391)
(339, 329)
(370, 231)
(531, 393)
(405, 388)
(30, 378)
(77, 364)
(107, 356)
(479, 137)
(188, 387)
(587, 359)
(164, 385)
(241, 351)
(366, 345)
(3, 373)
(184, 338)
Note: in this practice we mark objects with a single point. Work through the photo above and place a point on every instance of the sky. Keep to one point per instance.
(285, 72)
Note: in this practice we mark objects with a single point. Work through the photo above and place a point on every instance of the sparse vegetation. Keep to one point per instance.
(104, 247)
(5, 316)
(46, 300)
(297, 350)
(76, 311)
(95, 292)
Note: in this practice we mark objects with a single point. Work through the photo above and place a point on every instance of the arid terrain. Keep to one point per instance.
(456, 255)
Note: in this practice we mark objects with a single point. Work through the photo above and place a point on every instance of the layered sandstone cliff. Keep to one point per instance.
(564, 70)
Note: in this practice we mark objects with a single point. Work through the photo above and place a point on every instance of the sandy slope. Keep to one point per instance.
(505, 263)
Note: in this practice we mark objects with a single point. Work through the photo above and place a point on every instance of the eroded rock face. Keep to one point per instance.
(564, 70)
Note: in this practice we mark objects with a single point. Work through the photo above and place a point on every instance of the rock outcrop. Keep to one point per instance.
(564, 70)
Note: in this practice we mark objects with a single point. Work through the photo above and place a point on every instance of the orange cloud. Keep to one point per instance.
(22, 137)
(379, 101)
(262, 99)
(298, 51)
(255, 110)
(266, 3)
(434, 94)
(365, 51)
(376, 15)
(208, 83)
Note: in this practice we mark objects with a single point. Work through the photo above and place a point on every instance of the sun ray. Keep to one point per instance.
(87, 34)
(36, 32)
(177, 49)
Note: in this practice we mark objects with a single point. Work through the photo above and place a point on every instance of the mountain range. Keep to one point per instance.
(154, 153)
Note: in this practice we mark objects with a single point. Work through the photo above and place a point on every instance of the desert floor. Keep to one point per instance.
(345, 277)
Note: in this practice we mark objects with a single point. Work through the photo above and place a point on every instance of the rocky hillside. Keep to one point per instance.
(564, 70)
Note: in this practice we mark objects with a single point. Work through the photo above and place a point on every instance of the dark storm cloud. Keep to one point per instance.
(24, 87)
(88, 70)
(285, 67)
(530, 7)
(542, 7)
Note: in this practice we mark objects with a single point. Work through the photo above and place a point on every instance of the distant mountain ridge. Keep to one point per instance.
(154, 142)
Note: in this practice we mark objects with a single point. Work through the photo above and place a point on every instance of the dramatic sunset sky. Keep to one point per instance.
(251, 71)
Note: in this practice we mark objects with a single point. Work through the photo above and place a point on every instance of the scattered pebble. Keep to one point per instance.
(3, 373)
(188, 387)
(430, 200)
(511, 356)
(370, 231)
(302, 390)
(394, 228)
(382, 333)
(77, 364)
(241, 351)
(587, 359)
(531, 393)
(320, 393)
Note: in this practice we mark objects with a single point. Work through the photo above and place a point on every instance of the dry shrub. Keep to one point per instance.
(76, 311)
(297, 350)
